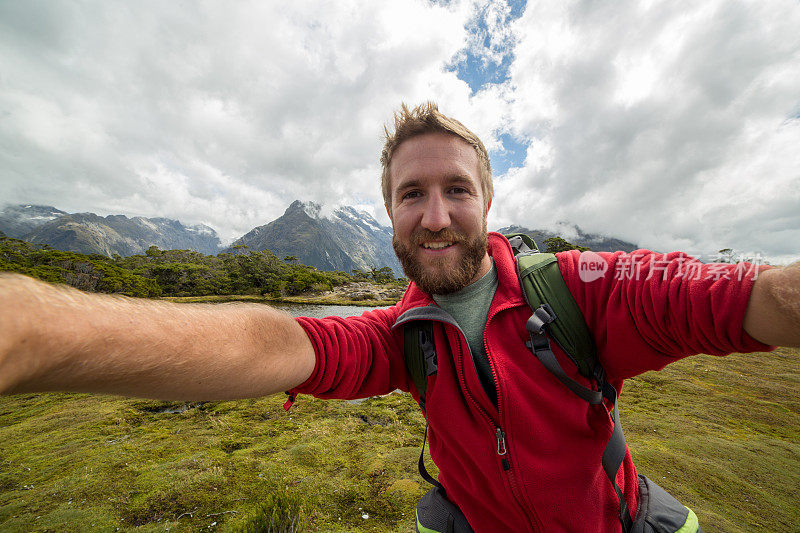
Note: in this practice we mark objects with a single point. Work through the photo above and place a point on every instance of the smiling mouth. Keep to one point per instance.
(436, 245)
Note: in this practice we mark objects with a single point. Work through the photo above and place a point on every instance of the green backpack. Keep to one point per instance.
(555, 316)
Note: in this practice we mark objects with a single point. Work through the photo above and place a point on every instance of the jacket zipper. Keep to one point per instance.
(497, 430)
(502, 449)
(495, 427)
(501, 442)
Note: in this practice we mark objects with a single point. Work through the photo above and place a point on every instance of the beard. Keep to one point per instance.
(440, 277)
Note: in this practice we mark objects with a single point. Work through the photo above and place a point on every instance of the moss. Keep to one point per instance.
(280, 512)
(404, 493)
(307, 453)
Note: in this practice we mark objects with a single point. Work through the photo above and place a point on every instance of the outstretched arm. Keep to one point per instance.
(773, 313)
(57, 338)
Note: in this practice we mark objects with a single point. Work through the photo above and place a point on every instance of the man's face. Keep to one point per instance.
(438, 212)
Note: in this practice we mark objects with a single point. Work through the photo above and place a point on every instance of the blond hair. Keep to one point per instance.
(426, 118)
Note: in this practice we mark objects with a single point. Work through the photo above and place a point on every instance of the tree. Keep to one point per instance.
(382, 275)
(557, 244)
(725, 255)
(360, 275)
(240, 248)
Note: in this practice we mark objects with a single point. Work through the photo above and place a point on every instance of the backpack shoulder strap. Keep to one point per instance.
(419, 352)
(557, 315)
(542, 283)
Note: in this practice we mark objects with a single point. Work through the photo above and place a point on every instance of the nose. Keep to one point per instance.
(436, 216)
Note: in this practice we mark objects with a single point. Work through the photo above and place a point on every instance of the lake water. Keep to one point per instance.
(321, 311)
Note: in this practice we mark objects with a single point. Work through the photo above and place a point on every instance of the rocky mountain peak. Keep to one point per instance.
(329, 238)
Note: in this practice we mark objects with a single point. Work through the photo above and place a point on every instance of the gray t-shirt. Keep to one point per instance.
(470, 309)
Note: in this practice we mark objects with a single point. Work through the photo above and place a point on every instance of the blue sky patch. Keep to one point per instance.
(479, 73)
(517, 8)
(512, 155)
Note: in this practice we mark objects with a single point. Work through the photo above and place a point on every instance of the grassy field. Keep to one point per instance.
(722, 434)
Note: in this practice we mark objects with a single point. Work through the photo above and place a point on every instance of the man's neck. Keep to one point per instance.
(477, 286)
(483, 269)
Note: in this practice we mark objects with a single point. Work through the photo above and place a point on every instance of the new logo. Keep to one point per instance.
(591, 266)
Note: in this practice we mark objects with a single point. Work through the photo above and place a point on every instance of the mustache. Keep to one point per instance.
(446, 234)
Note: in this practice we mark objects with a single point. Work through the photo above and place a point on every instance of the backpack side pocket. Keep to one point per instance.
(436, 514)
(660, 512)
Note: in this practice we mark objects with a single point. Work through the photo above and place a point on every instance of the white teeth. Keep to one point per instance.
(437, 245)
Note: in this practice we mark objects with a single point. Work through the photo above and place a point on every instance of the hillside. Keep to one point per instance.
(119, 235)
(174, 272)
(18, 220)
(341, 239)
(575, 235)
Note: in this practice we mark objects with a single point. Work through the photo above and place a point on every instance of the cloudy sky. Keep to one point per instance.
(675, 125)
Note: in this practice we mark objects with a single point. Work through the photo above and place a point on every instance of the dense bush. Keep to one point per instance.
(94, 272)
(171, 272)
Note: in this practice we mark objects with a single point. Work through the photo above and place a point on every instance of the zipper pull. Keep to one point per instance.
(501, 442)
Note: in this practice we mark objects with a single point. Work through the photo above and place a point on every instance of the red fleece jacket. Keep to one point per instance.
(644, 310)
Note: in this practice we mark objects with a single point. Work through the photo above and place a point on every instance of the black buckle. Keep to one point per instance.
(599, 374)
(539, 341)
(429, 352)
(542, 316)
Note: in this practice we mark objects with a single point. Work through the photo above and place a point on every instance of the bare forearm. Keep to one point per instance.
(62, 339)
(773, 313)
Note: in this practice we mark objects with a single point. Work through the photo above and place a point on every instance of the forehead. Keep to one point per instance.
(433, 155)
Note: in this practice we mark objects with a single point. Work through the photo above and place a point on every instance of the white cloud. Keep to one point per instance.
(665, 124)
(201, 114)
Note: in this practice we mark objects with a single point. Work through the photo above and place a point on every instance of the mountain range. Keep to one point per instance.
(343, 239)
(89, 233)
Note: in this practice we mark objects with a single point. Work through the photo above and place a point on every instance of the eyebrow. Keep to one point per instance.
(451, 179)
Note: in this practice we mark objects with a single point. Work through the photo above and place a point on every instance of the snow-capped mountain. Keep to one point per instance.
(342, 239)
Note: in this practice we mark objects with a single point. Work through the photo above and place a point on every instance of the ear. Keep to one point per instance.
(488, 205)
(389, 212)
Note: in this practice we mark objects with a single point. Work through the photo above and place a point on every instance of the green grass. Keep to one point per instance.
(722, 434)
(71, 462)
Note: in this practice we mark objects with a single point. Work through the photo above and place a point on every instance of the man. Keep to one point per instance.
(516, 450)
